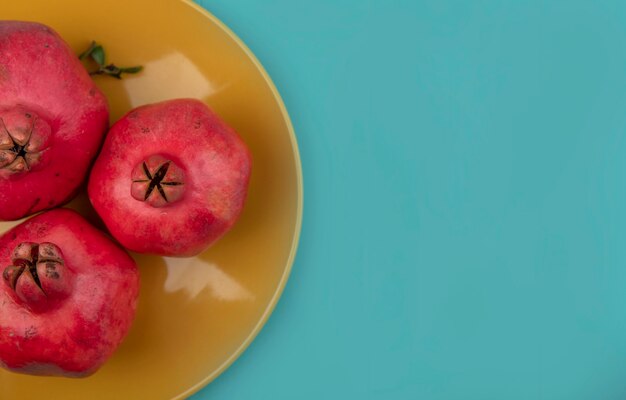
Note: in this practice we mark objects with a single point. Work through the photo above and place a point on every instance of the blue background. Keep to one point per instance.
(465, 211)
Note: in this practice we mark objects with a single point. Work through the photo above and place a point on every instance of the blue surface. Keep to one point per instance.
(465, 210)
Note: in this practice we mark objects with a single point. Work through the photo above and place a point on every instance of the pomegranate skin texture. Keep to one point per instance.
(68, 296)
(52, 120)
(171, 178)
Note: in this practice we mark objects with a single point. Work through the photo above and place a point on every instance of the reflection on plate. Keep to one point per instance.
(194, 276)
(195, 315)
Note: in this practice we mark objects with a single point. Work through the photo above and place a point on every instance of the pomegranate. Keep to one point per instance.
(68, 298)
(171, 178)
(52, 120)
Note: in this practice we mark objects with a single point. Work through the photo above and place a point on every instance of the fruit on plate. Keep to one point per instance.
(68, 298)
(52, 120)
(171, 178)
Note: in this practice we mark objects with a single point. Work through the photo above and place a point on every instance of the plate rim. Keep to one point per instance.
(299, 211)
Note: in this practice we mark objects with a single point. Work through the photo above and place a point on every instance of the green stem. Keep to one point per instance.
(96, 54)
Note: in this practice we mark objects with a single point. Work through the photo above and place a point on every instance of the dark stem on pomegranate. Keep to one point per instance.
(18, 149)
(24, 138)
(14, 272)
(38, 275)
(157, 181)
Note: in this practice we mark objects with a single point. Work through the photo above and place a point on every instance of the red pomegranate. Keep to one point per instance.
(68, 298)
(171, 178)
(52, 120)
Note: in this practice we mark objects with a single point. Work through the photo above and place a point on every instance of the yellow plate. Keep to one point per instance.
(195, 315)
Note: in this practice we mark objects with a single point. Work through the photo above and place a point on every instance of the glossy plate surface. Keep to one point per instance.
(195, 315)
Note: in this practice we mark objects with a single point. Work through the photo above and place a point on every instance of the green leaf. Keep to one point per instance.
(88, 52)
(97, 54)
